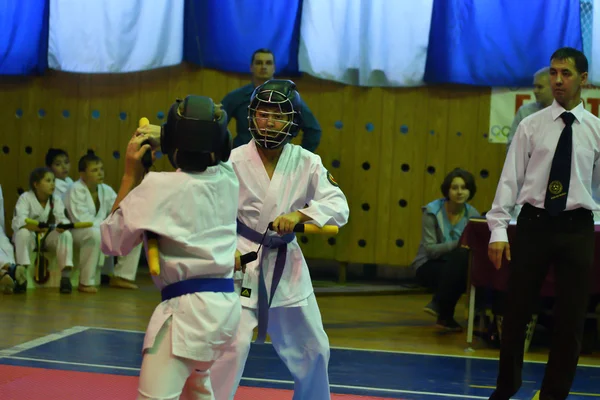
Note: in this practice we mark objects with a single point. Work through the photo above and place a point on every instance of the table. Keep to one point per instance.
(483, 274)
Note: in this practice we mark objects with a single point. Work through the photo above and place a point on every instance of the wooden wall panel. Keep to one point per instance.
(409, 167)
(12, 106)
(386, 166)
(399, 132)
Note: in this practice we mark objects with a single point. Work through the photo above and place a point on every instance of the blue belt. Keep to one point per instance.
(264, 300)
(196, 285)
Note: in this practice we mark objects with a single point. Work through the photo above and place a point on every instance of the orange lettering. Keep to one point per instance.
(594, 103)
(519, 100)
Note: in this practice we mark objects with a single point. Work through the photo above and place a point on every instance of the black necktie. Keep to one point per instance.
(560, 173)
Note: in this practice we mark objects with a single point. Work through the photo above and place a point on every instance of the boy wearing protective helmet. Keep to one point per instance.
(284, 184)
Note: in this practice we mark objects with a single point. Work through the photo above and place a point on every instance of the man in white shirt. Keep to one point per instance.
(551, 171)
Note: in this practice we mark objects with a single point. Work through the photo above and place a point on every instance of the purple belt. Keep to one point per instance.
(269, 243)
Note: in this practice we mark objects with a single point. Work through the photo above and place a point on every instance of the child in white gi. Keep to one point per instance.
(277, 179)
(42, 205)
(89, 199)
(7, 254)
(7, 261)
(58, 161)
(193, 212)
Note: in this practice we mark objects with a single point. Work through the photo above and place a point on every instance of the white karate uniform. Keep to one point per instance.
(28, 206)
(7, 251)
(2, 210)
(295, 324)
(195, 218)
(62, 186)
(81, 208)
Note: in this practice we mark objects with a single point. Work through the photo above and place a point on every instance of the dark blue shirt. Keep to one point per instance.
(236, 105)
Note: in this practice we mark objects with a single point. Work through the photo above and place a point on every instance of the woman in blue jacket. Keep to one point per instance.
(441, 264)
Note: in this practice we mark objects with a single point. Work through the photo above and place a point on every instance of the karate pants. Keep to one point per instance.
(165, 377)
(59, 243)
(7, 251)
(300, 341)
(88, 240)
(126, 267)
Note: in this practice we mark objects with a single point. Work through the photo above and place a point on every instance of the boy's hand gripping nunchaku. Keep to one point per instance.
(151, 237)
(298, 228)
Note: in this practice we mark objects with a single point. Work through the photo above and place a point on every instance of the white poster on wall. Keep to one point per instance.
(506, 101)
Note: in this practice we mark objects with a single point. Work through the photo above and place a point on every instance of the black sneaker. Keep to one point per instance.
(449, 325)
(104, 280)
(432, 309)
(7, 284)
(65, 285)
(19, 275)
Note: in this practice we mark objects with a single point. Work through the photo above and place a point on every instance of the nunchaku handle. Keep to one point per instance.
(153, 258)
(309, 228)
(152, 238)
(71, 225)
(248, 257)
(147, 157)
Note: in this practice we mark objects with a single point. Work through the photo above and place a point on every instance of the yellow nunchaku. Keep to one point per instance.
(41, 262)
(298, 228)
(152, 238)
(71, 225)
(310, 228)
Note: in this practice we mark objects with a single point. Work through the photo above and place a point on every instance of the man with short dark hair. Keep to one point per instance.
(551, 170)
(235, 103)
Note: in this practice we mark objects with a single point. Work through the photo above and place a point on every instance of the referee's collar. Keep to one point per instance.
(557, 110)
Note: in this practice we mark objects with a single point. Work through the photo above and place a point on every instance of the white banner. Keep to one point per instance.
(506, 102)
(115, 36)
(350, 41)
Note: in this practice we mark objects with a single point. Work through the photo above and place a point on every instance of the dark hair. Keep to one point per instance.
(53, 153)
(86, 160)
(580, 60)
(192, 161)
(37, 175)
(459, 173)
(265, 51)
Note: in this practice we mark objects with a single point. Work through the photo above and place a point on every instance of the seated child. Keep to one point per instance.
(58, 161)
(42, 205)
(7, 254)
(90, 200)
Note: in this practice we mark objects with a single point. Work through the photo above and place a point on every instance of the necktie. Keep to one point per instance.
(560, 172)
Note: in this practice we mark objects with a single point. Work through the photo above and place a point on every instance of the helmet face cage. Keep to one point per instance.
(276, 106)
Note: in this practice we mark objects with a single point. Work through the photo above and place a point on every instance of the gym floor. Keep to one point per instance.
(66, 347)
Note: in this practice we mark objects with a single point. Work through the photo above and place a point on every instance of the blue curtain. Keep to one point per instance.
(500, 42)
(23, 37)
(223, 34)
(590, 18)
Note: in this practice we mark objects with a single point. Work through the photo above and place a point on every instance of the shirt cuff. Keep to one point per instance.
(316, 217)
(499, 235)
